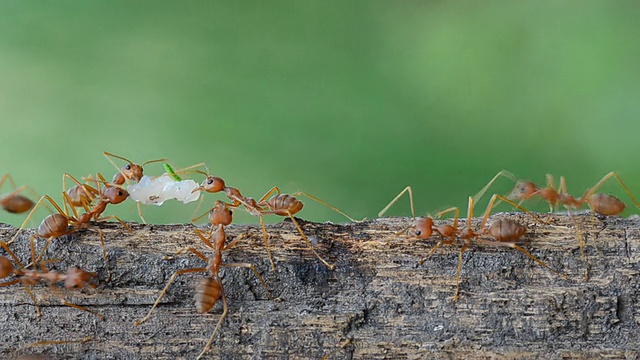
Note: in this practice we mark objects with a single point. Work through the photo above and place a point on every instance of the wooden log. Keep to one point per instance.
(378, 302)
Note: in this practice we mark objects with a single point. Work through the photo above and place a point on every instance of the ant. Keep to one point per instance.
(74, 278)
(602, 204)
(504, 232)
(209, 290)
(58, 224)
(14, 202)
(279, 204)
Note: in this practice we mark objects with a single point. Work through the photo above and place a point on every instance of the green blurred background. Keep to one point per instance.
(348, 100)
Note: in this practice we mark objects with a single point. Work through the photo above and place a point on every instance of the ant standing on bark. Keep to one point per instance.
(74, 278)
(279, 204)
(209, 290)
(62, 223)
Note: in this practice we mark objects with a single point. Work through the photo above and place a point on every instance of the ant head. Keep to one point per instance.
(6, 268)
(78, 278)
(220, 214)
(208, 293)
(421, 229)
(115, 195)
(523, 190)
(212, 184)
(131, 171)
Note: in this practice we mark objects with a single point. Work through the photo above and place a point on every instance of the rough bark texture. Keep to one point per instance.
(378, 297)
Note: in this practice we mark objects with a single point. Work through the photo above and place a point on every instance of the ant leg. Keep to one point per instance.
(173, 277)
(9, 283)
(7, 177)
(33, 210)
(433, 250)
(492, 203)
(522, 250)
(455, 219)
(188, 169)
(271, 191)
(222, 317)
(462, 250)
(186, 250)
(266, 242)
(104, 255)
(15, 258)
(255, 271)
(205, 239)
(89, 191)
(407, 189)
(55, 290)
(330, 266)
(501, 173)
(110, 217)
(590, 192)
(581, 242)
(234, 242)
(325, 204)
(33, 298)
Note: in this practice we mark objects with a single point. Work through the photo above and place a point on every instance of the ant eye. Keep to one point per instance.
(209, 182)
(120, 193)
(418, 232)
(128, 167)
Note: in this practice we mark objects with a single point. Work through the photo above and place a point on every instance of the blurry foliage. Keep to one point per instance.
(347, 100)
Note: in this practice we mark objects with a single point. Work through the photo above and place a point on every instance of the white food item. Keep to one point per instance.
(157, 190)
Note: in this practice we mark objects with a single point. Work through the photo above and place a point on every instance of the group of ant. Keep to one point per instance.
(85, 203)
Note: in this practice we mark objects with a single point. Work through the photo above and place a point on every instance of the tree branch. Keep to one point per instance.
(378, 298)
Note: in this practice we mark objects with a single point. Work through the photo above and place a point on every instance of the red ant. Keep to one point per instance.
(602, 204)
(14, 202)
(279, 204)
(209, 290)
(57, 225)
(74, 278)
(505, 232)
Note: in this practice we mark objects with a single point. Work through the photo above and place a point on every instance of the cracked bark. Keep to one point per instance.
(378, 297)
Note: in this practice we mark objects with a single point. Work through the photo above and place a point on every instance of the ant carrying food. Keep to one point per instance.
(154, 190)
(74, 278)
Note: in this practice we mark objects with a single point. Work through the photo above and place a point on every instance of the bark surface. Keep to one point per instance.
(378, 301)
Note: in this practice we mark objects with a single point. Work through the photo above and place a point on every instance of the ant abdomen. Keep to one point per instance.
(506, 230)
(207, 295)
(17, 204)
(284, 204)
(53, 226)
(606, 204)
